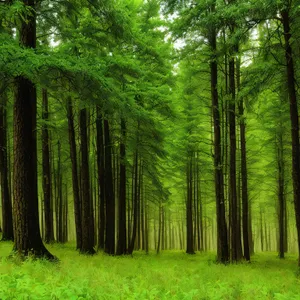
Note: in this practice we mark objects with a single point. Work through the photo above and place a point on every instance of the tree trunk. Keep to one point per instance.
(261, 231)
(121, 249)
(135, 205)
(251, 241)
(109, 247)
(162, 228)
(47, 186)
(234, 224)
(159, 228)
(66, 211)
(87, 246)
(101, 180)
(189, 209)
(294, 120)
(146, 227)
(281, 199)
(75, 181)
(59, 200)
(223, 255)
(245, 205)
(7, 222)
(27, 238)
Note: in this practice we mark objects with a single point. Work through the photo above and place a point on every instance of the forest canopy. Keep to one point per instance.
(150, 125)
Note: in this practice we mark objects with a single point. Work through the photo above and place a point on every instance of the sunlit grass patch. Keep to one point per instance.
(170, 275)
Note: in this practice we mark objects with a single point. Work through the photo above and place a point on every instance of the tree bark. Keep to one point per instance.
(121, 249)
(281, 199)
(101, 181)
(294, 116)
(87, 230)
(7, 222)
(223, 255)
(59, 199)
(189, 208)
(75, 181)
(244, 174)
(234, 224)
(159, 228)
(47, 186)
(135, 204)
(109, 247)
(27, 238)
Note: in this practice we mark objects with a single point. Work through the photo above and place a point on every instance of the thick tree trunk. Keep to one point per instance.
(87, 230)
(75, 181)
(7, 222)
(109, 247)
(222, 242)
(27, 238)
(47, 186)
(121, 249)
(294, 119)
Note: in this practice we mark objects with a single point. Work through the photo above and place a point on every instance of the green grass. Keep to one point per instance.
(170, 275)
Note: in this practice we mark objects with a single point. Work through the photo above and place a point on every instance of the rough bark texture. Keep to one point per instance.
(87, 232)
(27, 238)
(223, 255)
(121, 249)
(290, 69)
(75, 181)
(7, 223)
(47, 186)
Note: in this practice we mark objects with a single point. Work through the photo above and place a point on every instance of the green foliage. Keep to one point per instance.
(173, 275)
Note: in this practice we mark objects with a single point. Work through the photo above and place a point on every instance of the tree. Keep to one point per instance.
(109, 247)
(294, 116)
(7, 225)
(87, 234)
(122, 249)
(27, 239)
(223, 255)
(75, 180)
(47, 186)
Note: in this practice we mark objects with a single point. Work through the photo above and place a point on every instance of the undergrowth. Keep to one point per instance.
(170, 275)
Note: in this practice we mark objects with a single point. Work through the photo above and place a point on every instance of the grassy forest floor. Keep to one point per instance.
(170, 275)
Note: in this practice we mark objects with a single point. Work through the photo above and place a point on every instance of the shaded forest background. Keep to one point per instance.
(140, 125)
